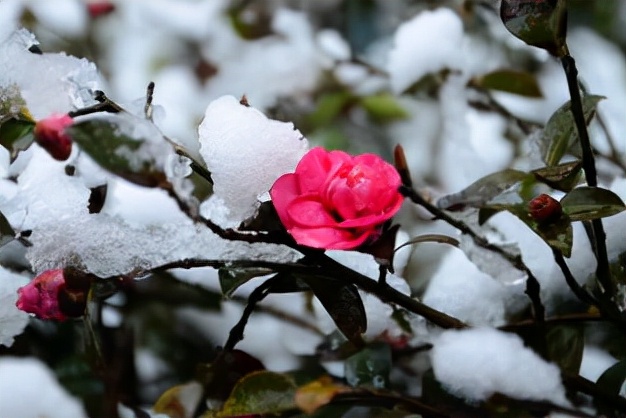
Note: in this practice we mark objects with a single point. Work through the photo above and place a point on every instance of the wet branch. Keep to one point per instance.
(589, 166)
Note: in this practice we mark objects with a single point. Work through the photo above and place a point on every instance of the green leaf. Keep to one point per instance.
(116, 152)
(383, 108)
(610, 382)
(558, 235)
(560, 134)
(540, 23)
(232, 278)
(483, 190)
(438, 238)
(565, 347)
(343, 303)
(588, 203)
(369, 367)
(7, 234)
(16, 135)
(329, 107)
(510, 81)
(562, 177)
(261, 392)
(250, 29)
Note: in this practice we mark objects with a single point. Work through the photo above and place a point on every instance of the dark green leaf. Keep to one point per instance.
(540, 23)
(116, 152)
(232, 278)
(343, 303)
(565, 347)
(260, 26)
(560, 134)
(261, 392)
(562, 177)
(16, 135)
(587, 203)
(558, 235)
(7, 234)
(484, 189)
(610, 382)
(510, 81)
(383, 108)
(369, 367)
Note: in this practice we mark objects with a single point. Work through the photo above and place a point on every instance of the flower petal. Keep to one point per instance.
(305, 211)
(284, 191)
(328, 238)
(316, 166)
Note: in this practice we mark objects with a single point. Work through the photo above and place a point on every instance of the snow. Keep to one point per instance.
(245, 153)
(291, 65)
(460, 289)
(477, 363)
(28, 389)
(430, 42)
(49, 83)
(12, 320)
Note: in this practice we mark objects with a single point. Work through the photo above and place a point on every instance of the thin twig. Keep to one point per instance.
(589, 166)
(236, 333)
(580, 293)
(104, 105)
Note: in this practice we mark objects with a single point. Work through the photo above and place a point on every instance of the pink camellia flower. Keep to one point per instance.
(337, 201)
(41, 295)
(49, 134)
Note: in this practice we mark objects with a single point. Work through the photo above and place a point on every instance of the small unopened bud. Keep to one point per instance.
(545, 209)
(50, 135)
(99, 8)
(51, 295)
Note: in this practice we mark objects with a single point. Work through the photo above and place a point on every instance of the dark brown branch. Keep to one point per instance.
(589, 166)
(580, 293)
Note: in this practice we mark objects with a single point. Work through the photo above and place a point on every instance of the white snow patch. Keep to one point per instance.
(245, 152)
(429, 42)
(28, 389)
(12, 320)
(478, 363)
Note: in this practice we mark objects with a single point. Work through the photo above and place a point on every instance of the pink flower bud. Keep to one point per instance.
(335, 200)
(41, 295)
(49, 134)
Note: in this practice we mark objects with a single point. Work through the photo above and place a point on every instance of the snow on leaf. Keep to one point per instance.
(478, 363)
(245, 153)
(49, 83)
(428, 43)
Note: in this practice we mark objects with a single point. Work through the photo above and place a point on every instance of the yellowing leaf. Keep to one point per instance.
(179, 401)
(318, 393)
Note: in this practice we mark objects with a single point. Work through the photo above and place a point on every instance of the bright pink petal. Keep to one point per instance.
(316, 166)
(307, 212)
(284, 191)
(328, 238)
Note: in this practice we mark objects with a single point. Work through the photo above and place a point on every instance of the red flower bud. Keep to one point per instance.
(50, 136)
(54, 294)
(41, 295)
(545, 209)
(99, 8)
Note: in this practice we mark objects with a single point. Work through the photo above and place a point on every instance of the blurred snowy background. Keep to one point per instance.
(359, 75)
